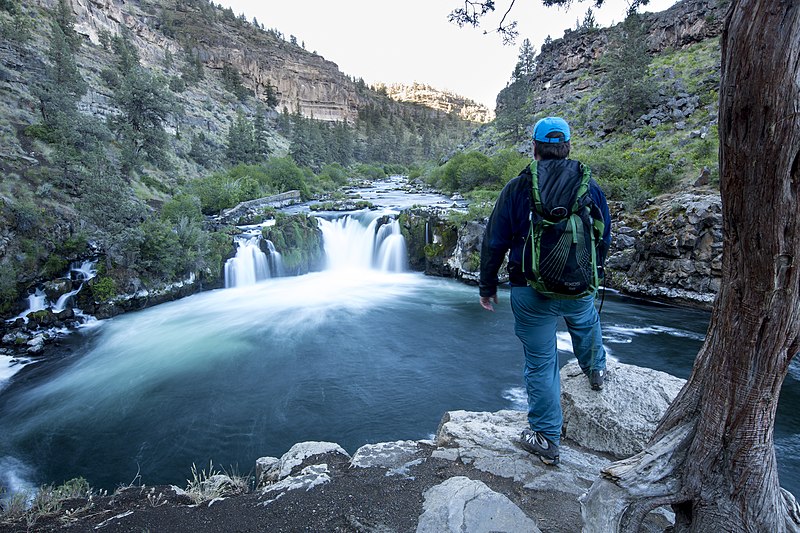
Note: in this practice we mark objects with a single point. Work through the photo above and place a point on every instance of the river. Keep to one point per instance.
(354, 354)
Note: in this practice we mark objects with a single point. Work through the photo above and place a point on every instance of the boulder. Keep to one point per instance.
(303, 454)
(397, 457)
(620, 419)
(489, 442)
(462, 504)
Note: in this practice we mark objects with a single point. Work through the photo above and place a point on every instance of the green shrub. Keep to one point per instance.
(42, 132)
(159, 252)
(75, 246)
(54, 267)
(334, 172)
(103, 288)
(182, 206)
(370, 172)
(9, 293)
(284, 175)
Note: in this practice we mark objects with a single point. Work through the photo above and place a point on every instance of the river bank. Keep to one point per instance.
(471, 476)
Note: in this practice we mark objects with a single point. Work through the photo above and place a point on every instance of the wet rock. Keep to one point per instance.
(36, 345)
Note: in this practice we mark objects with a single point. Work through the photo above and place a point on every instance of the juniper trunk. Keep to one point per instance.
(712, 457)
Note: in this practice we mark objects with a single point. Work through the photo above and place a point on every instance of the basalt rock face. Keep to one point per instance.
(562, 65)
(671, 250)
(420, 93)
(305, 82)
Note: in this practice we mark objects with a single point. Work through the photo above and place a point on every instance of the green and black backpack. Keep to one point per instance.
(561, 258)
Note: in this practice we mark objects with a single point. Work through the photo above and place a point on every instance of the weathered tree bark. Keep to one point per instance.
(712, 457)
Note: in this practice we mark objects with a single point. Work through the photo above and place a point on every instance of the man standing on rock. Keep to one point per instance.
(536, 315)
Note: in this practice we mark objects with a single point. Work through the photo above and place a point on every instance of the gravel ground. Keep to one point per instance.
(356, 499)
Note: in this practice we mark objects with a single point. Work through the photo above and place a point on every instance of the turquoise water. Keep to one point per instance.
(352, 355)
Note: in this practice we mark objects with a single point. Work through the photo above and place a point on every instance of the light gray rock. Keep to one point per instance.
(620, 419)
(267, 470)
(461, 504)
(301, 451)
(308, 478)
(397, 457)
(489, 442)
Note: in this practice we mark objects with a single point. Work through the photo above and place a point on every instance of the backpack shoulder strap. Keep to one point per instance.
(583, 188)
(536, 195)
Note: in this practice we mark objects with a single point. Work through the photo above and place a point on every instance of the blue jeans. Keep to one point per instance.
(535, 323)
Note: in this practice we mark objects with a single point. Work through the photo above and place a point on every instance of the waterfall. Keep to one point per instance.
(38, 301)
(83, 272)
(391, 255)
(251, 263)
(352, 244)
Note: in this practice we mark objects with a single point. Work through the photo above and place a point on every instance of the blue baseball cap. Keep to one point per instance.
(551, 130)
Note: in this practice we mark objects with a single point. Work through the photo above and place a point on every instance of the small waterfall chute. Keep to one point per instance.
(252, 263)
(353, 244)
(78, 272)
(82, 272)
(391, 244)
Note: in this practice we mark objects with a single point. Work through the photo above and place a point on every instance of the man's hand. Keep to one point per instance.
(486, 302)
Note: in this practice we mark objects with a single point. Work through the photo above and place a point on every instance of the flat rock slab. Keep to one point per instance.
(461, 504)
(490, 442)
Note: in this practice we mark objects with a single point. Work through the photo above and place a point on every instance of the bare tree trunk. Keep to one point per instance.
(712, 457)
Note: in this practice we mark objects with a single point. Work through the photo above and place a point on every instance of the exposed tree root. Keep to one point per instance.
(630, 488)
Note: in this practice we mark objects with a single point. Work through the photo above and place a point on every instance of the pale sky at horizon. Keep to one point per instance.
(403, 42)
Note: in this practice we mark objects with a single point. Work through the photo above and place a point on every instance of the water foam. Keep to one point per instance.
(623, 333)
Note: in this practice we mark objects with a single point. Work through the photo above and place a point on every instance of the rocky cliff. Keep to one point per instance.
(472, 476)
(305, 82)
(670, 250)
(422, 94)
(561, 68)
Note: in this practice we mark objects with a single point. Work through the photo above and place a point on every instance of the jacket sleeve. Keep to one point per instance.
(599, 198)
(496, 242)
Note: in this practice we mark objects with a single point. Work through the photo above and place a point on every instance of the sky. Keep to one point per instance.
(412, 40)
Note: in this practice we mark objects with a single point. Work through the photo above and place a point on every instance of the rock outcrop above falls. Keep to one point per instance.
(471, 477)
(671, 250)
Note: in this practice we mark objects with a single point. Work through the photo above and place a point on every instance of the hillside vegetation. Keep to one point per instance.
(124, 128)
(644, 120)
(123, 137)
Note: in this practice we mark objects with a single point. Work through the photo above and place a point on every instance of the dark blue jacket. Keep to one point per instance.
(509, 224)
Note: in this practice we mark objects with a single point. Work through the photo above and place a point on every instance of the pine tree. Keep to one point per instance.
(628, 92)
(526, 62)
(145, 103)
(261, 144)
(241, 143)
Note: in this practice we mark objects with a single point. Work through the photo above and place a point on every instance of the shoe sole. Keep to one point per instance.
(549, 461)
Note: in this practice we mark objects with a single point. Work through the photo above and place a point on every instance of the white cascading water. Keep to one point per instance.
(391, 255)
(37, 301)
(350, 244)
(83, 272)
(251, 264)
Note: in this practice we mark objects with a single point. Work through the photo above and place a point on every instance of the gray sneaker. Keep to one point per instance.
(537, 444)
(596, 379)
